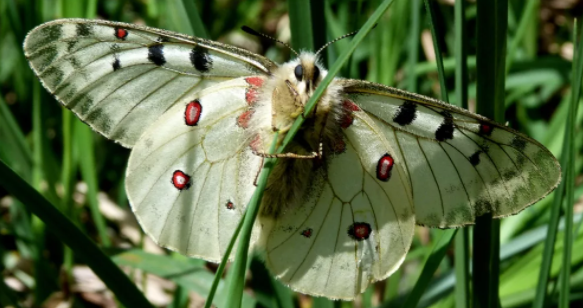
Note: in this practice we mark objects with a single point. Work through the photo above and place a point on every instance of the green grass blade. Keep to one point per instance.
(413, 54)
(85, 147)
(492, 22)
(462, 266)
(179, 19)
(564, 282)
(300, 19)
(429, 6)
(91, 9)
(237, 283)
(68, 233)
(521, 31)
(461, 55)
(548, 252)
(194, 18)
(221, 269)
(432, 262)
(15, 142)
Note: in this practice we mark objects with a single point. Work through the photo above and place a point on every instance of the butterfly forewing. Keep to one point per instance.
(119, 78)
(191, 174)
(460, 165)
(357, 224)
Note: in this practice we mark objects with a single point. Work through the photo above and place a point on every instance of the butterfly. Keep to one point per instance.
(369, 163)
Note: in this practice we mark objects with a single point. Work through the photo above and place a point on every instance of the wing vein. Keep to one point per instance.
(434, 179)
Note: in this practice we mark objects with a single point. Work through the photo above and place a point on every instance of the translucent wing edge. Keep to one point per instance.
(259, 61)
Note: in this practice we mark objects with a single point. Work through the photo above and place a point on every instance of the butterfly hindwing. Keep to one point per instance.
(460, 165)
(356, 225)
(120, 77)
(191, 174)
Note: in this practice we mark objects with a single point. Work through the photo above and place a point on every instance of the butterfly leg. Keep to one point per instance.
(258, 172)
(312, 155)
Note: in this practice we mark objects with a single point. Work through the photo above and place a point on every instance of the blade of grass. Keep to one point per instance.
(492, 23)
(548, 252)
(236, 284)
(87, 163)
(300, 20)
(68, 233)
(235, 287)
(521, 31)
(180, 20)
(194, 18)
(462, 239)
(564, 282)
(221, 268)
(431, 263)
(429, 7)
(319, 26)
(414, 44)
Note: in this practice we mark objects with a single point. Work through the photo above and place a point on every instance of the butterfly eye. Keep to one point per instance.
(316, 74)
(299, 72)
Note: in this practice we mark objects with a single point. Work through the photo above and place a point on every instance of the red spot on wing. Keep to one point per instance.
(359, 231)
(384, 167)
(254, 81)
(486, 129)
(347, 118)
(307, 233)
(243, 119)
(180, 180)
(350, 106)
(251, 95)
(256, 143)
(346, 121)
(121, 33)
(230, 205)
(192, 113)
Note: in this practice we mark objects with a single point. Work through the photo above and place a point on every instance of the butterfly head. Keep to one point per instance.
(305, 73)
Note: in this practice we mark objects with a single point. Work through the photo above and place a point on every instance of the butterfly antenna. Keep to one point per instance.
(337, 39)
(253, 32)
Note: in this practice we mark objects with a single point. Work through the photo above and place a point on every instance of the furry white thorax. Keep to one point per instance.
(275, 110)
(282, 99)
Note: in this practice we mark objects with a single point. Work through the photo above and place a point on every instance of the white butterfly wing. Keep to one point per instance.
(119, 78)
(461, 165)
(357, 224)
(191, 174)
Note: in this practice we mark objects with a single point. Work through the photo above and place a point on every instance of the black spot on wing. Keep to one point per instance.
(74, 62)
(406, 113)
(518, 143)
(475, 158)
(445, 130)
(200, 59)
(55, 73)
(116, 65)
(46, 55)
(84, 29)
(156, 54)
(114, 47)
(162, 39)
(46, 36)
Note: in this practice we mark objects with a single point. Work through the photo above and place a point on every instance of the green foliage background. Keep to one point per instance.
(75, 169)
